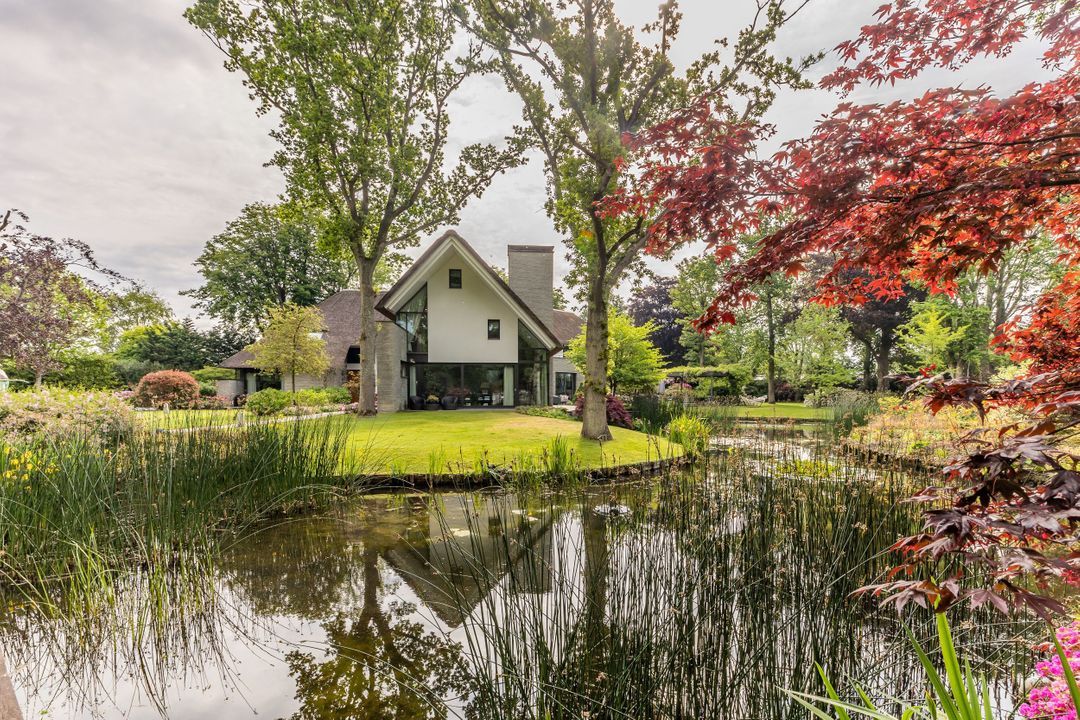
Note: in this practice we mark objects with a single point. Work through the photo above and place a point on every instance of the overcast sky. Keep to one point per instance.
(120, 127)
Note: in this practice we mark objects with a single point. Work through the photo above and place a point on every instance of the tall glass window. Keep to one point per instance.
(532, 381)
(564, 384)
(413, 319)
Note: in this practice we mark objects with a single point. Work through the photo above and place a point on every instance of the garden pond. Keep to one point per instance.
(704, 593)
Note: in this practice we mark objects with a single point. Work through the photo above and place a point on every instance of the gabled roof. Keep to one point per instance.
(410, 281)
(341, 316)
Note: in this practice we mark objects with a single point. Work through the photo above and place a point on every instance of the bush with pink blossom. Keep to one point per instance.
(1050, 700)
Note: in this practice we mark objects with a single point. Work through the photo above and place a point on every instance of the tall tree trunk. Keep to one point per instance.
(39, 376)
(701, 350)
(594, 415)
(770, 371)
(867, 365)
(366, 343)
(883, 358)
(292, 383)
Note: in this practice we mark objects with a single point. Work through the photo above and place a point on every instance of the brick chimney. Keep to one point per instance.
(532, 277)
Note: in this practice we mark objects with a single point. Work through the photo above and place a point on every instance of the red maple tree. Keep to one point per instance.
(922, 190)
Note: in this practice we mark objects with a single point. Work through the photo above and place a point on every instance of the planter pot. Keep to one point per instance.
(432, 406)
(450, 403)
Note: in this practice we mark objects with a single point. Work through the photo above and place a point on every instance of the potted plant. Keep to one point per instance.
(432, 402)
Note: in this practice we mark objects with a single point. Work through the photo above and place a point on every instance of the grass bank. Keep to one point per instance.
(461, 440)
(783, 411)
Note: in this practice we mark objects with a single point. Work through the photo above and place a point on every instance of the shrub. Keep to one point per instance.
(215, 402)
(270, 401)
(544, 411)
(132, 371)
(212, 374)
(616, 411)
(318, 397)
(178, 389)
(692, 433)
(58, 412)
(89, 371)
(207, 389)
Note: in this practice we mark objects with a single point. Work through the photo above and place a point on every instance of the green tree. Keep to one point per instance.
(696, 284)
(269, 256)
(607, 85)
(360, 91)
(171, 345)
(812, 352)
(123, 310)
(634, 363)
(292, 344)
(929, 337)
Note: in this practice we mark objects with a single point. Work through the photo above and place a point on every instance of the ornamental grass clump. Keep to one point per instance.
(74, 509)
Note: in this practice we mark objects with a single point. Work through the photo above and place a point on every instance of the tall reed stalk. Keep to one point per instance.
(698, 597)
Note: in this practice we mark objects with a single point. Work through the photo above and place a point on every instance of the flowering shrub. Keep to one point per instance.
(617, 414)
(61, 412)
(178, 389)
(1050, 700)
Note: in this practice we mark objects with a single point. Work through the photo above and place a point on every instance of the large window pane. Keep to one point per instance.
(412, 318)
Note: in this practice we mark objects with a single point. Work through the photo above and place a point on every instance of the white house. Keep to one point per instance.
(450, 326)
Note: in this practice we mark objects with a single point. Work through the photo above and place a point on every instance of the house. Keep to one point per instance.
(450, 326)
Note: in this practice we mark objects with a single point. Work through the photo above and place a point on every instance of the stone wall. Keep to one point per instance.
(389, 354)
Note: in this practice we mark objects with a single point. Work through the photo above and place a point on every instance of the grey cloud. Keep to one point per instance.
(119, 125)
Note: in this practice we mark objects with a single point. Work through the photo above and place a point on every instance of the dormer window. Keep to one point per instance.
(455, 278)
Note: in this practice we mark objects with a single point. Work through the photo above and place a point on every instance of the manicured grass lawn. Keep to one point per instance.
(186, 418)
(408, 442)
(796, 411)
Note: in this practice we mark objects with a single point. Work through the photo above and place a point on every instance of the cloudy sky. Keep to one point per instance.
(119, 126)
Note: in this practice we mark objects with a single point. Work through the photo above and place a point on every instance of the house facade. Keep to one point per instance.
(451, 326)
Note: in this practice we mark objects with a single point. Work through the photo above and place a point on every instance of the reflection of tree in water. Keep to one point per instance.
(380, 663)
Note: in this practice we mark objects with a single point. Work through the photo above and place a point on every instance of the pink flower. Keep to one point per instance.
(1050, 700)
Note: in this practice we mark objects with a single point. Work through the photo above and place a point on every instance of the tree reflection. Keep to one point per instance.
(381, 663)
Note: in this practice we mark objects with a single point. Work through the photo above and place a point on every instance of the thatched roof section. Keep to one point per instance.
(341, 312)
(567, 326)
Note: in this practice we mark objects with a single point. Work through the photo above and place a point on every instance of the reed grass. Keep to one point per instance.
(75, 510)
(701, 596)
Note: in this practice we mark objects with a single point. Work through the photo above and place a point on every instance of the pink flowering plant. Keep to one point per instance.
(1057, 696)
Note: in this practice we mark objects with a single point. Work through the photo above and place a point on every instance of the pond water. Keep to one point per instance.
(699, 594)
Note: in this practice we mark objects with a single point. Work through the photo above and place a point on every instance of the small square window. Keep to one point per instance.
(455, 278)
(494, 330)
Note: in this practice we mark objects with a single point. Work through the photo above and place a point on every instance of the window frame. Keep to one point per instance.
(496, 324)
(455, 273)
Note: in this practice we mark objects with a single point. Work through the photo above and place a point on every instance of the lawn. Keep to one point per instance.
(187, 418)
(788, 410)
(409, 442)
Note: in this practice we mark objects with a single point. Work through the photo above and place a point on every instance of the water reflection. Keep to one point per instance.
(703, 599)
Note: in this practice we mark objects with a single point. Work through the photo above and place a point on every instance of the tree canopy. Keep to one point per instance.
(916, 191)
(361, 91)
(634, 363)
(267, 257)
(292, 344)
